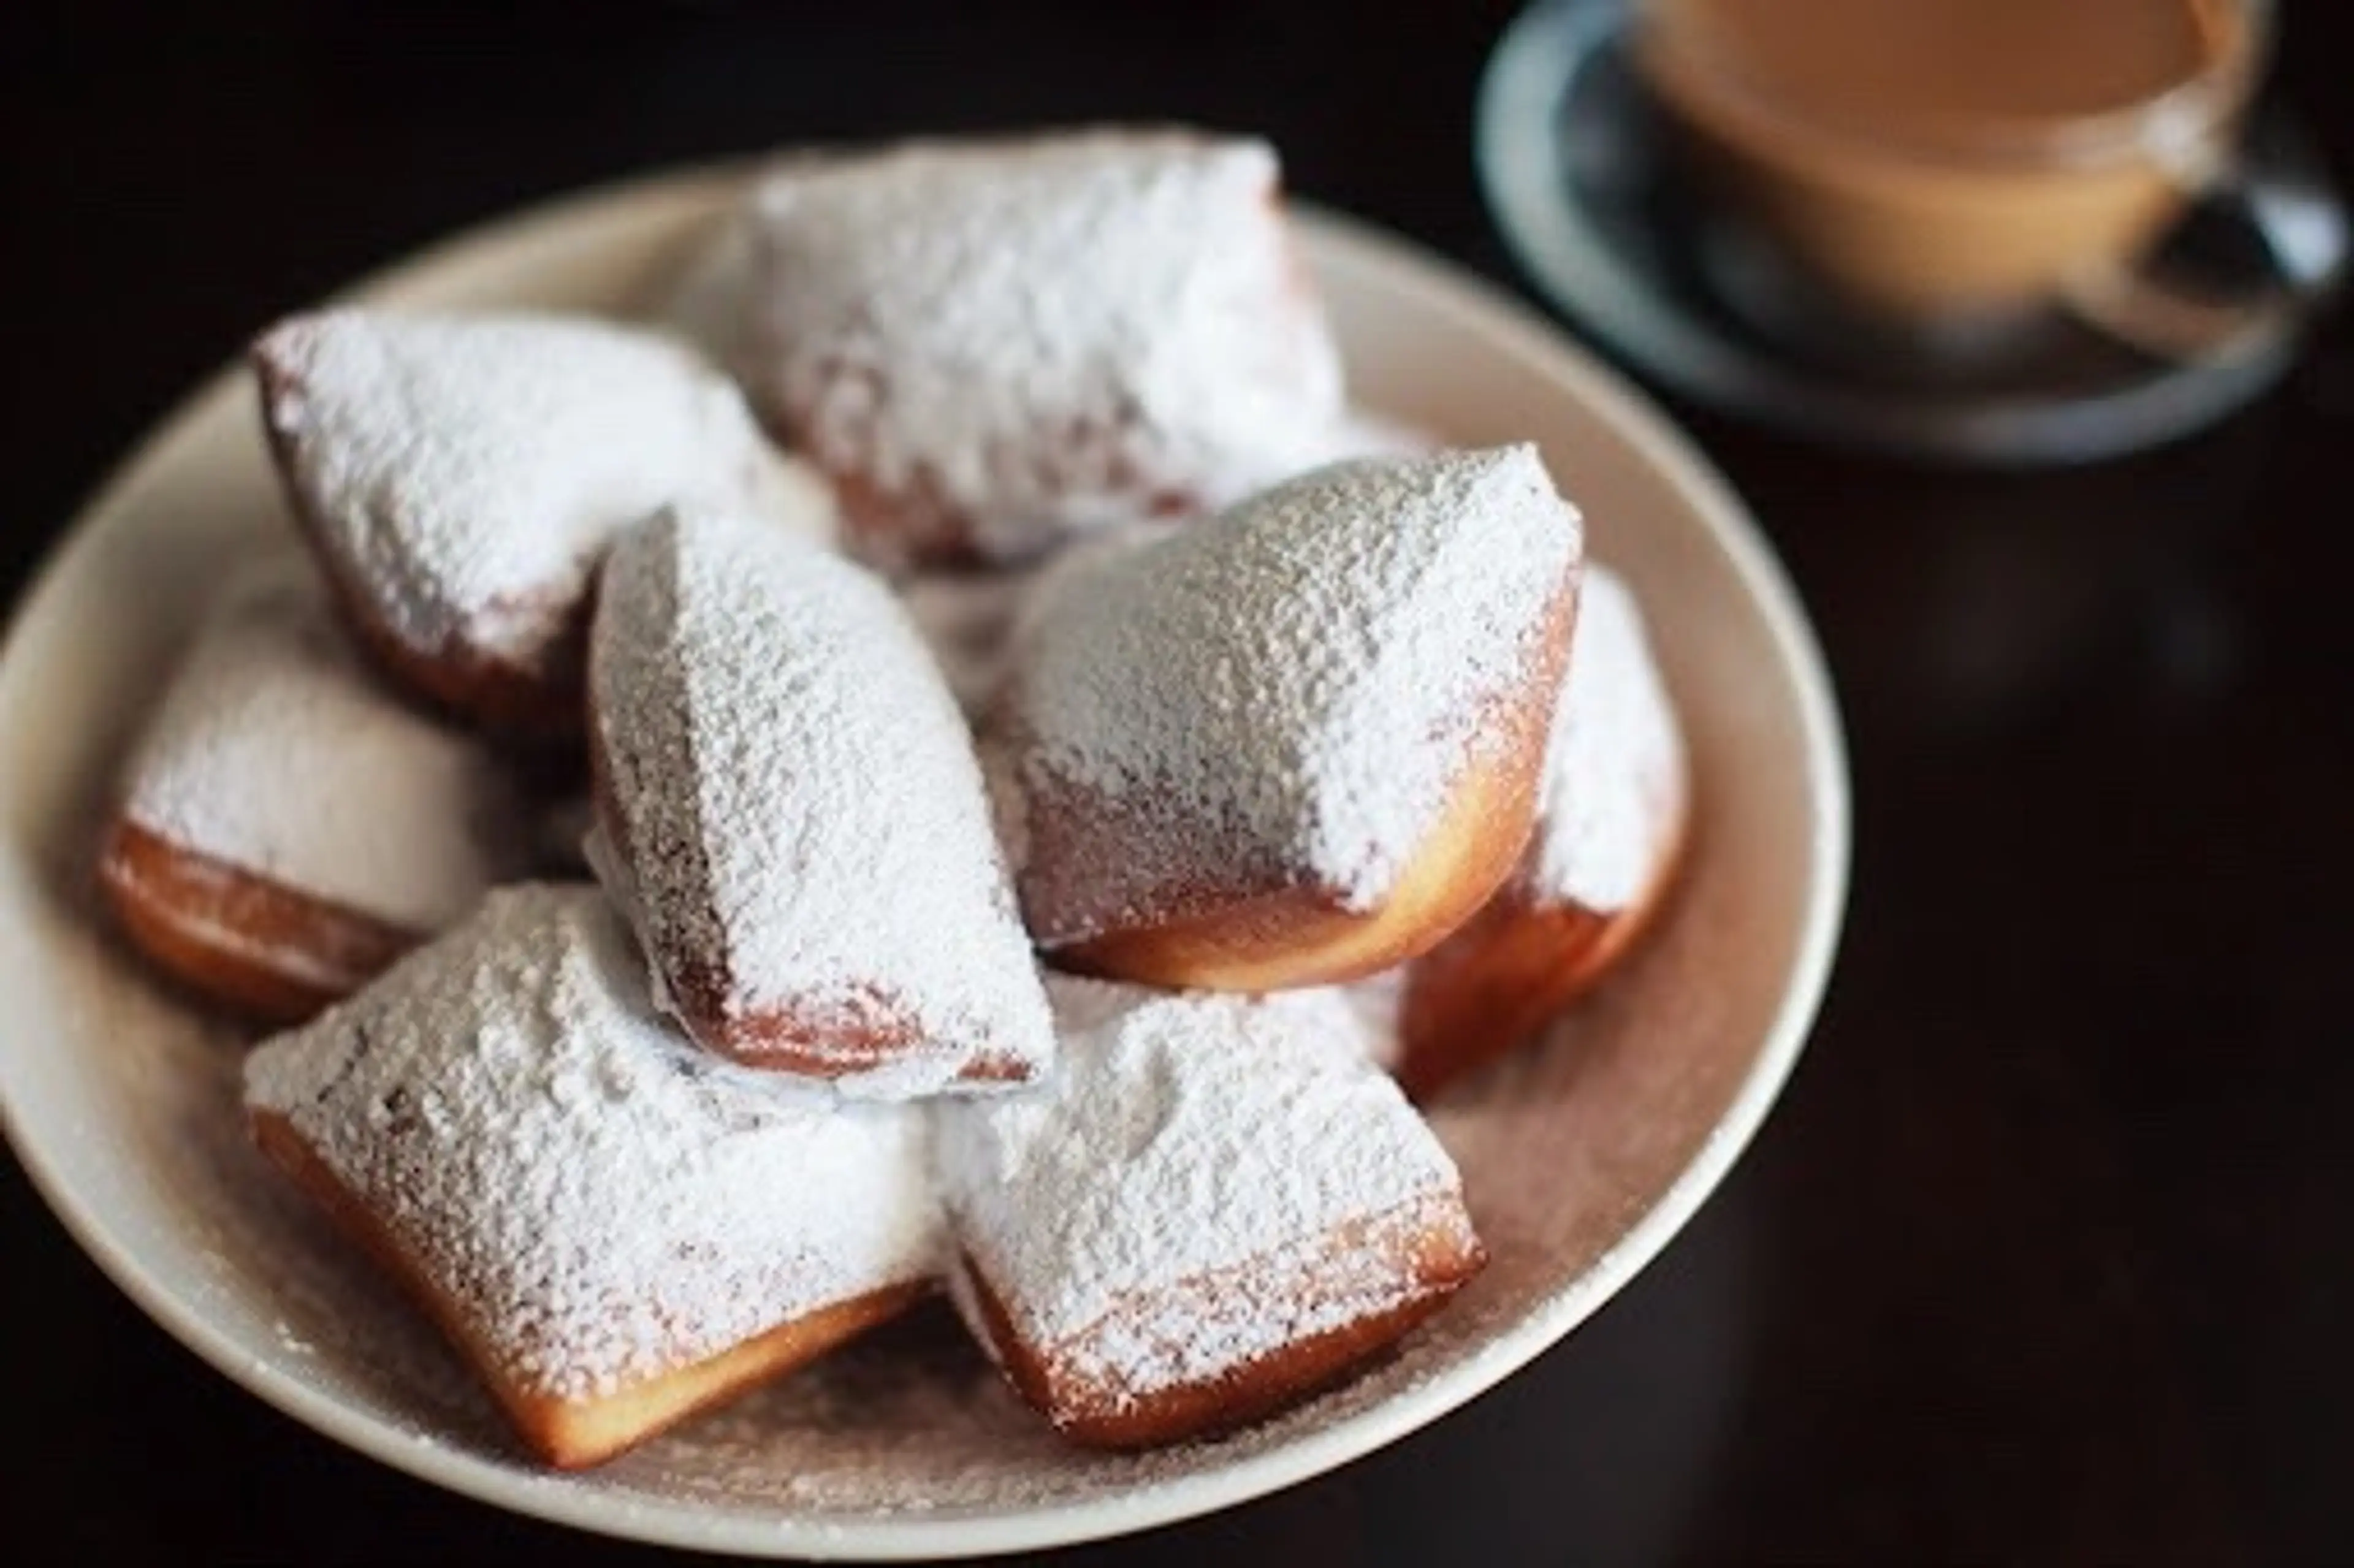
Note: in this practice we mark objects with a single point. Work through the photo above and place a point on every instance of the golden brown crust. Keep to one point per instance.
(1302, 936)
(1515, 967)
(1434, 1265)
(575, 1434)
(779, 1039)
(467, 685)
(268, 952)
(783, 1042)
(460, 681)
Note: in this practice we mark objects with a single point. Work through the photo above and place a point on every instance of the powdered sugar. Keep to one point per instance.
(273, 753)
(1290, 691)
(1613, 782)
(601, 1201)
(465, 471)
(1165, 1209)
(800, 801)
(1013, 340)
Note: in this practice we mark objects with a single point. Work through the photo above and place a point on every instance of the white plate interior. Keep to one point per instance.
(1581, 1159)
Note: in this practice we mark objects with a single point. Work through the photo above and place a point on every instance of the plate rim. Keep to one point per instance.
(1479, 306)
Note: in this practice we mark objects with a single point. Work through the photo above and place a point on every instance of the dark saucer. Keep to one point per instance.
(1573, 163)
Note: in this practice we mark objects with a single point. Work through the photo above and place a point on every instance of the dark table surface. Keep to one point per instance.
(2044, 1255)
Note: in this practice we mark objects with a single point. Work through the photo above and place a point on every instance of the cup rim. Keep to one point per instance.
(2178, 123)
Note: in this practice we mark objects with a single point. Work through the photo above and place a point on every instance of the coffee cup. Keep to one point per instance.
(1943, 171)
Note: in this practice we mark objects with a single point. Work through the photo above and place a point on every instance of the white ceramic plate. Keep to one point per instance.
(1581, 1159)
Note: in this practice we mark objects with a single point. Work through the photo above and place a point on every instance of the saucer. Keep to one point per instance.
(1573, 160)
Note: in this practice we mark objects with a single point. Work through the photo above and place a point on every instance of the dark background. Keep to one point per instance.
(2045, 1256)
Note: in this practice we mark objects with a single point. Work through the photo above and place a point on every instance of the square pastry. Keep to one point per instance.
(1216, 1205)
(287, 828)
(615, 1227)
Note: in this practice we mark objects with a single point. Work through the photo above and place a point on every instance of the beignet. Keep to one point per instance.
(1217, 1205)
(1610, 827)
(615, 1228)
(287, 828)
(793, 817)
(460, 475)
(992, 345)
(1298, 742)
